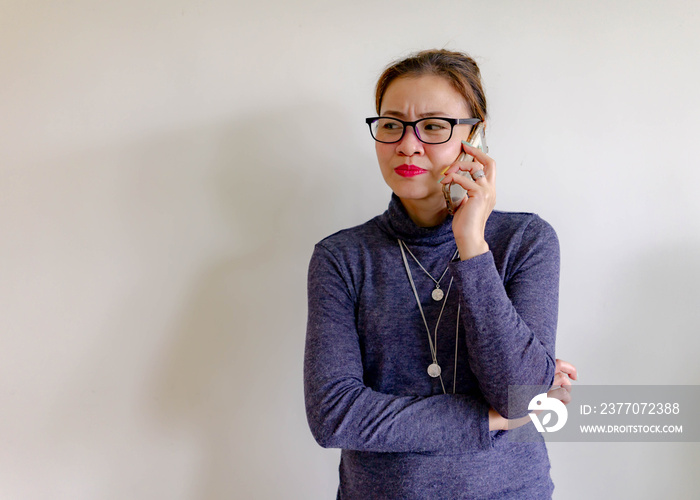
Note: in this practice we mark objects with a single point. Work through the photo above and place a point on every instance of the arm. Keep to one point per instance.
(510, 328)
(344, 413)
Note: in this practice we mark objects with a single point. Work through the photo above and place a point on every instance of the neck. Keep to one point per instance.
(426, 213)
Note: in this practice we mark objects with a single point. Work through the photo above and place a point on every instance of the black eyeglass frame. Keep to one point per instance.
(451, 121)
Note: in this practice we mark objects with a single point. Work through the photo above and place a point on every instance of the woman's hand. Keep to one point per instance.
(470, 217)
(561, 390)
(561, 387)
(497, 422)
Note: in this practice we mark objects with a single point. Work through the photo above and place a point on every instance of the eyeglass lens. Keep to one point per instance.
(429, 130)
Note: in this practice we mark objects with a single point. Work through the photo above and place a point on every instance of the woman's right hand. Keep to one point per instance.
(469, 222)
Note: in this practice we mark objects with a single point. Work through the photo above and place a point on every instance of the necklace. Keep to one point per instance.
(434, 369)
(437, 293)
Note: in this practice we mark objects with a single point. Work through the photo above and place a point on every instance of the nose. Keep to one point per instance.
(409, 144)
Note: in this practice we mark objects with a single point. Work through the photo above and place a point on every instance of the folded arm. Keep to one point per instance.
(343, 412)
(510, 320)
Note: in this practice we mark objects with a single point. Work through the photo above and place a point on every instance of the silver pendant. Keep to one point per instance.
(437, 294)
(434, 370)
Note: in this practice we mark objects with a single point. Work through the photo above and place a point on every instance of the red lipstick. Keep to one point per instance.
(409, 170)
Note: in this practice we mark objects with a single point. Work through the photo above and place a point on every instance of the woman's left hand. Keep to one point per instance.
(561, 387)
(561, 390)
(470, 218)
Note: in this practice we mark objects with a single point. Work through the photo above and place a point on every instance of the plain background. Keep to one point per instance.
(167, 166)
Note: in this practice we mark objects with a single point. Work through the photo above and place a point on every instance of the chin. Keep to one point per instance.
(418, 193)
(410, 192)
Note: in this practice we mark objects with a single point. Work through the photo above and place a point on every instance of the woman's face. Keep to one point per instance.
(411, 168)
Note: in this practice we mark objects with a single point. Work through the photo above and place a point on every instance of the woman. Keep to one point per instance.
(420, 320)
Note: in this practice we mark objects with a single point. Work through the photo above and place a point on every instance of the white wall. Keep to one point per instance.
(167, 166)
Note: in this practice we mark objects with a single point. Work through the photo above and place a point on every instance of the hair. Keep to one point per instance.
(458, 68)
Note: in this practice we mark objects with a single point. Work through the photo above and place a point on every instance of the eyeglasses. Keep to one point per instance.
(428, 130)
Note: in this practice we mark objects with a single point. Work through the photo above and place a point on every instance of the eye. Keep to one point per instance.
(435, 125)
(390, 125)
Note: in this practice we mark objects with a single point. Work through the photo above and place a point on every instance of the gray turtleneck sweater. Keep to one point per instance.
(367, 390)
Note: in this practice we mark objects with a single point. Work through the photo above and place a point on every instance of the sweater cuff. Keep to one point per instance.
(476, 432)
(476, 272)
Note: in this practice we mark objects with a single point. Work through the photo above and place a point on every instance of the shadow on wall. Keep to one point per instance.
(185, 258)
(231, 374)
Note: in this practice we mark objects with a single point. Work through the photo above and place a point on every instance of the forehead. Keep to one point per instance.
(423, 95)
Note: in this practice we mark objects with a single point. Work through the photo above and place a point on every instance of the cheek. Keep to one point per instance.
(447, 156)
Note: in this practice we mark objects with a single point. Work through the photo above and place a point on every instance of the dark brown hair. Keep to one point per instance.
(457, 67)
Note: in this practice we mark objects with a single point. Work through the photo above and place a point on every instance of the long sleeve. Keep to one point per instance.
(374, 327)
(510, 318)
(342, 411)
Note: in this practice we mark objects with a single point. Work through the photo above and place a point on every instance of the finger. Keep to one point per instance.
(451, 169)
(471, 168)
(463, 180)
(489, 164)
(566, 367)
(464, 165)
(460, 163)
(561, 394)
(477, 153)
(479, 175)
(560, 379)
(474, 166)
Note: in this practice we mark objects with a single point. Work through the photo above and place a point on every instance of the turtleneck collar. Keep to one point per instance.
(398, 224)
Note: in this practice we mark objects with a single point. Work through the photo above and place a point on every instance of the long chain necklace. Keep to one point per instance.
(437, 293)
(434, 369)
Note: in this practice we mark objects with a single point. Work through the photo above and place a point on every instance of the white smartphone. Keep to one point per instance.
(454, 193)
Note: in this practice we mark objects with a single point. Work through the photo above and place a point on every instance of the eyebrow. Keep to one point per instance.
(399, 114)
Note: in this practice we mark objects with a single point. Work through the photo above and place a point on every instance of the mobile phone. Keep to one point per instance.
(454, 193)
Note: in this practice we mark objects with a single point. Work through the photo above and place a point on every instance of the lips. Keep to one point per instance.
(409, 170)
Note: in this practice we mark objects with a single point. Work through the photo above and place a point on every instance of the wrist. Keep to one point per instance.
(471, 247)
